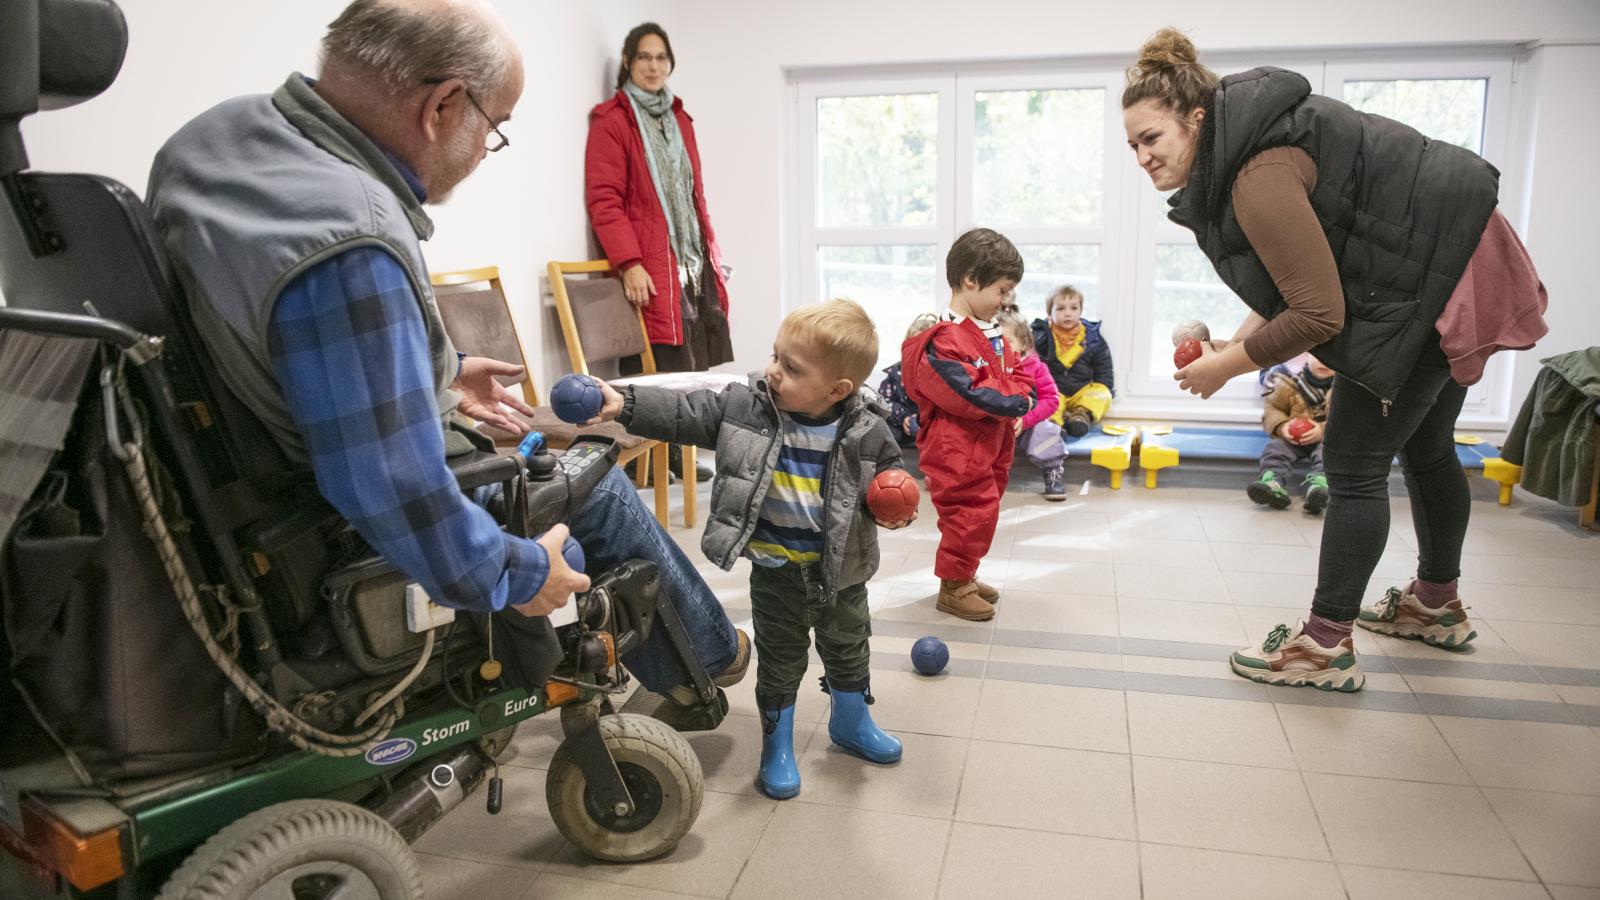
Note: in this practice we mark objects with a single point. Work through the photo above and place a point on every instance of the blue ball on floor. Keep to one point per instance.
(572, 552)
(929, 655)
(576, 399)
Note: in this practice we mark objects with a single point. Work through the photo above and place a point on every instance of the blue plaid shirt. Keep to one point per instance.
(350, 353)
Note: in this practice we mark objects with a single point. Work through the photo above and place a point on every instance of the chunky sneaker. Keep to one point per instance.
(1055, 486)
(1292, 658)
(1076, 422)
(1401, 614)
(988, 593)
(962, 600)
(1268, 491)
(1316, 485)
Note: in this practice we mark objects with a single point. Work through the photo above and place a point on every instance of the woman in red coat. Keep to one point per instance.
(646, 200)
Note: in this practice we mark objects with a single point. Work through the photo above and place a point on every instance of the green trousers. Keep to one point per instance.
(788, 602)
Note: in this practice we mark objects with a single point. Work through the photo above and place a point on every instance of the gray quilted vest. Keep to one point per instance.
(256, 190)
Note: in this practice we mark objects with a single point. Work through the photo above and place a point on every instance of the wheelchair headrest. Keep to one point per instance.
(53, 54)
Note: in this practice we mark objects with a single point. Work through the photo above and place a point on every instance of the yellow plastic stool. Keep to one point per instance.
(1117, 457)
(1506, 473)
(1153, 458)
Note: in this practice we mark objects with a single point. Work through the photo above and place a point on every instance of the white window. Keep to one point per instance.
(891, 170)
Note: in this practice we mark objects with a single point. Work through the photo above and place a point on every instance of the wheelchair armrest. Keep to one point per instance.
(478, 469)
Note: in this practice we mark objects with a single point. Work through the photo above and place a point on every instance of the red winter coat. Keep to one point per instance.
(627, 215)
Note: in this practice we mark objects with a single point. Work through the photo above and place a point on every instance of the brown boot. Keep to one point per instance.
(960, 599)
(988, 593)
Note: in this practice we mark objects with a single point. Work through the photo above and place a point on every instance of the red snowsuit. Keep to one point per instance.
(967, 394)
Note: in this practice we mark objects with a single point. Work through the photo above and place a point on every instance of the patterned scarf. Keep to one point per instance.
(1312, 388)
(1069, 344)
(673, 176)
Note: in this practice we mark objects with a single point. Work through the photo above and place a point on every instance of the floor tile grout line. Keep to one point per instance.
(1493, 810)
(1311, 801)
(754, 846)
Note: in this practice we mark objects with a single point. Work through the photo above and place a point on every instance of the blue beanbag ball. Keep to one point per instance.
(929, 655)
(576, 399)
(572, 552)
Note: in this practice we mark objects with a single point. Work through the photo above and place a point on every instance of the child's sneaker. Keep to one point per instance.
(961, 599)
(1268, 491)
(1316, 493)
(1401, 614)
(1055, 482)
(1292, 658)
(1076, 422)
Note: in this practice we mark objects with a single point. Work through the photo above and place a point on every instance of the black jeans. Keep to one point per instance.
(1358, 449)
(787, 604)
(1280, 456)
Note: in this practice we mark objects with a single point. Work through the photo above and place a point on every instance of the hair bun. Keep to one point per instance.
(1167, 49)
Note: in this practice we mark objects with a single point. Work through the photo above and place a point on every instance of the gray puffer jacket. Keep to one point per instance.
(741, 424)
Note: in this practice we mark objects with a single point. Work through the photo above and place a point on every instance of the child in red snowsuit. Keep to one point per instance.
(964, 379)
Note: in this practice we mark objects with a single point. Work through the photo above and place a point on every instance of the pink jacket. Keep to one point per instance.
(1498, 304)
(1049, 397)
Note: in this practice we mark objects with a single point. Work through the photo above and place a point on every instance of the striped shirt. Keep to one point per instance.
(990, 329)
(789, 529)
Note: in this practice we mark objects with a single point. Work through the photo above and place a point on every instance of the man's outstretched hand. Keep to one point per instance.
(482, 396)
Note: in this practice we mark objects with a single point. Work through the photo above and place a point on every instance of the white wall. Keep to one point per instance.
(1563, 133)
(524, 207)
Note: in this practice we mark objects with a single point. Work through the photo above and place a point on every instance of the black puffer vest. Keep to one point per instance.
(1403, 214)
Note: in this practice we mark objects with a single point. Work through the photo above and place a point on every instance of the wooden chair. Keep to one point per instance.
(478, 319)
(599, 324)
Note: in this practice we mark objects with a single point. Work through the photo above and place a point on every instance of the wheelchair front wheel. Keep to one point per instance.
(663, 777)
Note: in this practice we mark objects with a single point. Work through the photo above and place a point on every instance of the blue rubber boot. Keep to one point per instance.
(850, 725)
(779, 777)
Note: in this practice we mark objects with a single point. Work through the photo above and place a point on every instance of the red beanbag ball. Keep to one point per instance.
(893, 496)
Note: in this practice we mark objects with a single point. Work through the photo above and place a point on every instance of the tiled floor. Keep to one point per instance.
(1091, 741)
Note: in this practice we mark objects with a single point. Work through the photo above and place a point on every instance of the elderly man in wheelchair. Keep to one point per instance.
(261, 587)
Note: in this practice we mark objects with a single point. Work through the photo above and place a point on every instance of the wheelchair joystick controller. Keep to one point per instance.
(541, 465)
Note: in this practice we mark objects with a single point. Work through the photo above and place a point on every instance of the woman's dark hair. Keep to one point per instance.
(630, 49)
(1169, 72)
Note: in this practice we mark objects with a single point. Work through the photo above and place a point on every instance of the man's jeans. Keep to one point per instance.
(614, 526)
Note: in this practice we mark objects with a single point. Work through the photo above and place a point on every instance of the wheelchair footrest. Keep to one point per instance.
(700, 717)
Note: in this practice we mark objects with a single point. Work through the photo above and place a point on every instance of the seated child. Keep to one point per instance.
(963, 378)
(1303, 399)
(1079, 360)
(1040, 437)
(795, 450)
(902, 412)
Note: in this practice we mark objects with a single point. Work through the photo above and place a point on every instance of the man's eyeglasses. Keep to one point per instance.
(496, 140)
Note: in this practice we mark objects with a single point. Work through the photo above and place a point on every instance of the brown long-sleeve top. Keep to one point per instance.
(1272, 198)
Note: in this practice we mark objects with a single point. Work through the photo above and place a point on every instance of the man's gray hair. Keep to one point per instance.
(402, 47)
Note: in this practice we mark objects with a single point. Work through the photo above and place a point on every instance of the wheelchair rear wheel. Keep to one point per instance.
(300, 849)
(663, 777)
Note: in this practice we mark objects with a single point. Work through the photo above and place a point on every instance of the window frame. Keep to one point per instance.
(1132, 220)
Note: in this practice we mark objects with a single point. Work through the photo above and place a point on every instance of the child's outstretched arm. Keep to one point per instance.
(666, 415)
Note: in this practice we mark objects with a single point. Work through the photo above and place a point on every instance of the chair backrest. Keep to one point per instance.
(597, 321)
(472, 303)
